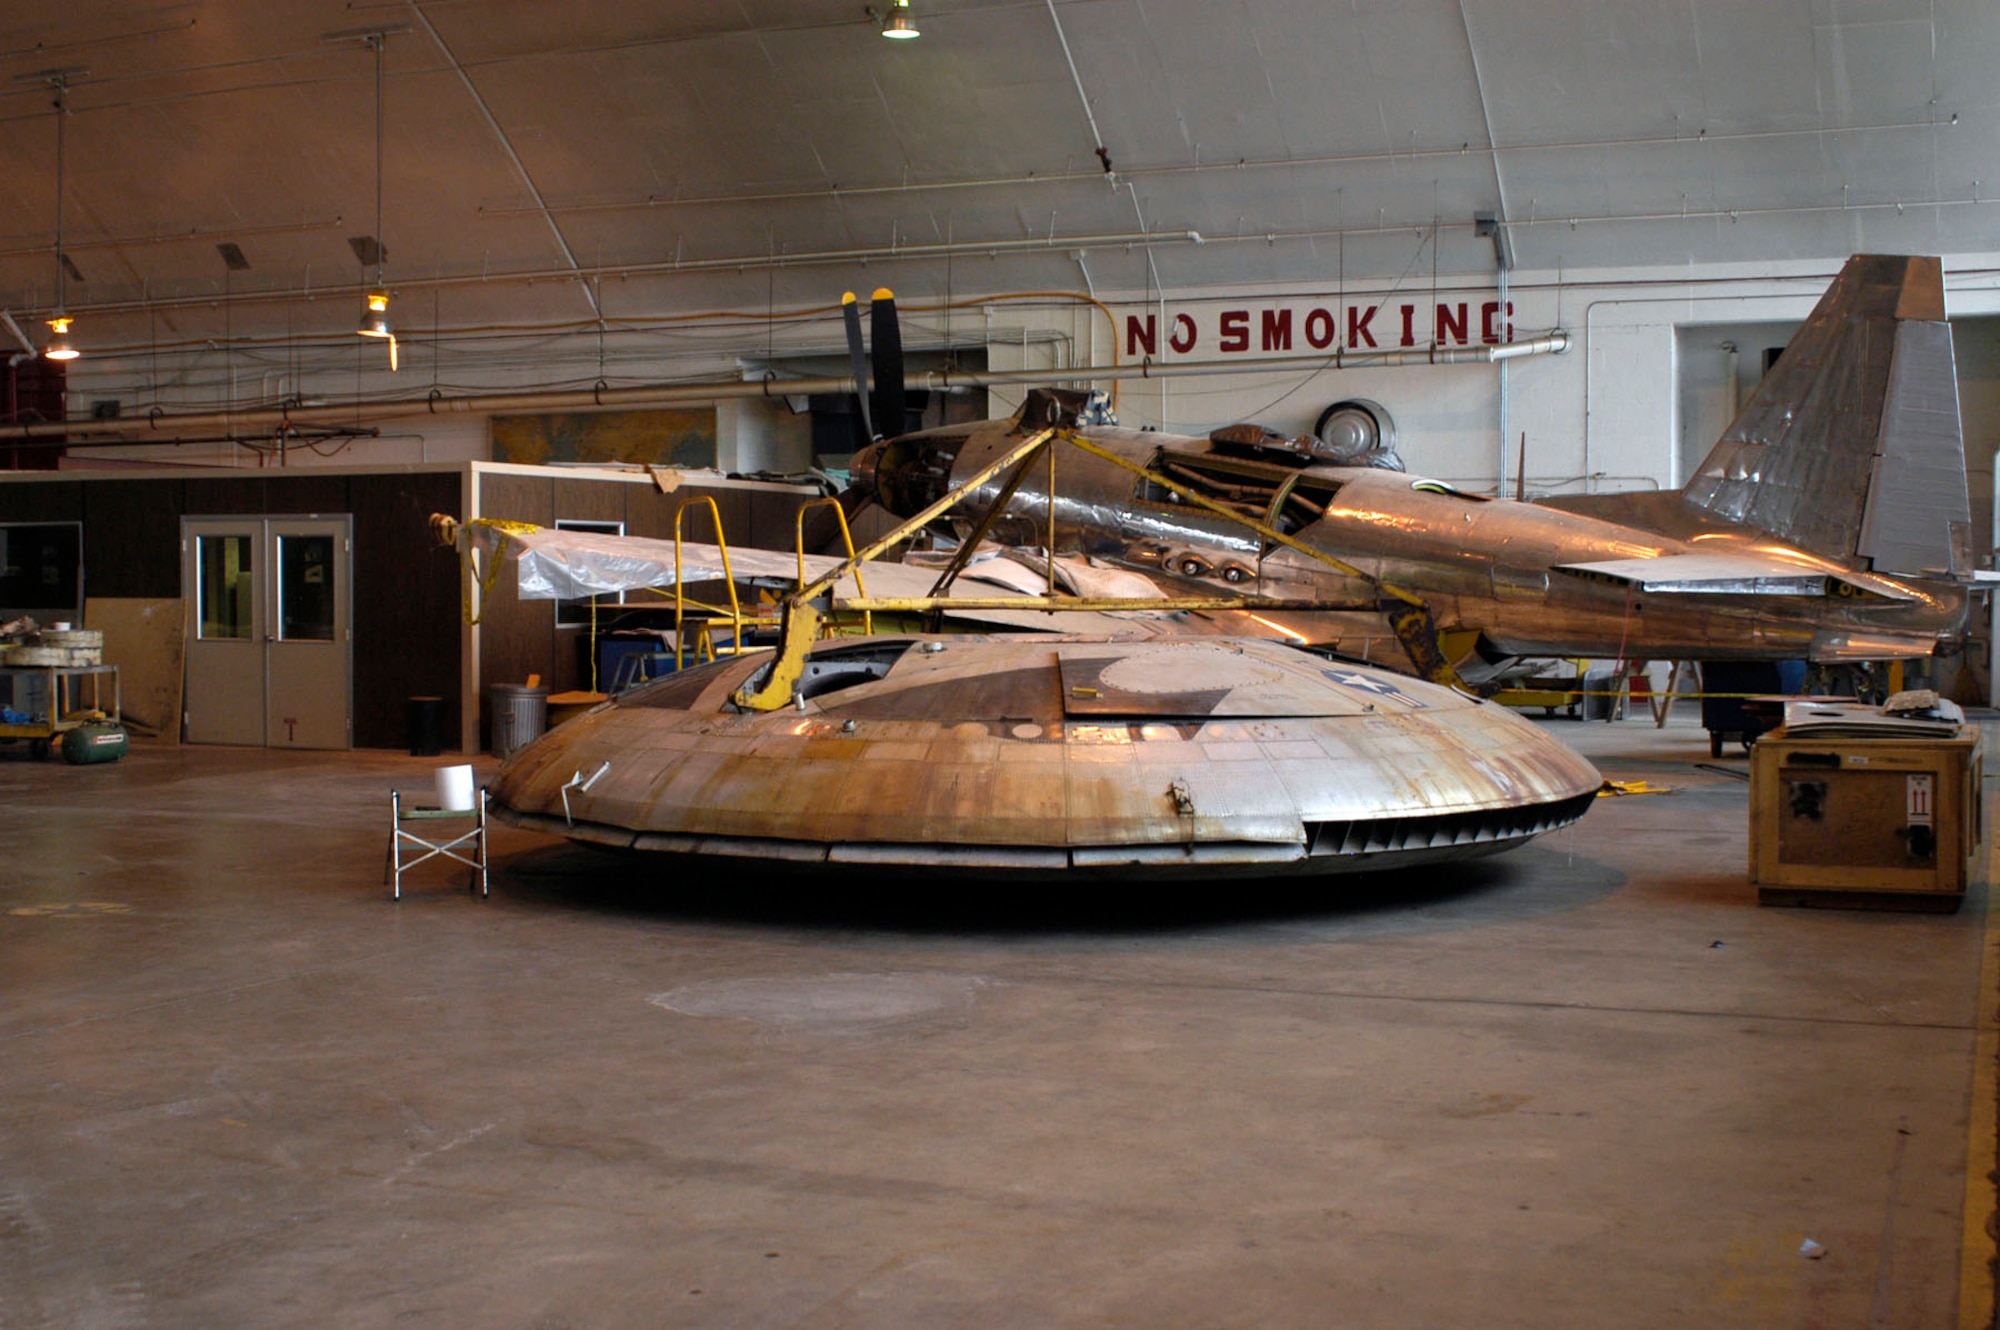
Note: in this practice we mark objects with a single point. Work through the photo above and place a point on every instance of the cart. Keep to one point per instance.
(47, 706)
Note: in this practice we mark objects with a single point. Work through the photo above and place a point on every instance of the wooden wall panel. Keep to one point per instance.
(648, 512)
(517, 498)
(774, 520)
(406, 590)
(41, 501)
(587, 500)
(304, 492)
(132, 539)
(226, 498)
(406, 605)
(733, 505)
(517, 637)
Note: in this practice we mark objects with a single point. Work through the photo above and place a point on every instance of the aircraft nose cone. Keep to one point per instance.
(864, 470)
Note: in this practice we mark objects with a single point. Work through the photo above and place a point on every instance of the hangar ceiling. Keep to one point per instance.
(559, 168)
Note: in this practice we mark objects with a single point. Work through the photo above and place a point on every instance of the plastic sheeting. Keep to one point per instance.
(554, 564)
(569, 565)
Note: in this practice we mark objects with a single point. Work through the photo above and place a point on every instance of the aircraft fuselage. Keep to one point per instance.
(1491, 565)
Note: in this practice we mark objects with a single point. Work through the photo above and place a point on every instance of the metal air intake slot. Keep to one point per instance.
(1442, 831)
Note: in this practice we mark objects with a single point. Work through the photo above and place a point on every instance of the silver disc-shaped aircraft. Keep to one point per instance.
(1051, 757)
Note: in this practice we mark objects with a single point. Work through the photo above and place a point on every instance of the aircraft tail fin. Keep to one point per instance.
(1851, 446)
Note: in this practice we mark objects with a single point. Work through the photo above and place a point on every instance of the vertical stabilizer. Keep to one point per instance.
(1851, 446)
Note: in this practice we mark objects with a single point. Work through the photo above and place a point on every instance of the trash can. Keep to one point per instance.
(426, 726)
(520, 714)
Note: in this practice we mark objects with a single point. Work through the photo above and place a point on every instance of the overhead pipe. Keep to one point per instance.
(159, 425)
(28, 347)
(671, 267)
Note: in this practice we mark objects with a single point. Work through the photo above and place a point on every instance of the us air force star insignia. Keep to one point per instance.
(1369, 684)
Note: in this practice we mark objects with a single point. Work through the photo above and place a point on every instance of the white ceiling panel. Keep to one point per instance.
(781, 151)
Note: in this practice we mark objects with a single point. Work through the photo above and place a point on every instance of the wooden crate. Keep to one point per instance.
(1864, 823)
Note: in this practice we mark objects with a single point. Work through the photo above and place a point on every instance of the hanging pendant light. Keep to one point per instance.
(901, 24)
(60, 346)
(375, 316)
(375, 305)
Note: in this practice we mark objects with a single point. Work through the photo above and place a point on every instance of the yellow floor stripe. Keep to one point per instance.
(1982, 1149)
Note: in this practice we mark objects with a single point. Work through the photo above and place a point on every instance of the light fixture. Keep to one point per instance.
(60, 346)
(375, 305)
(375, 316)
(901, 24)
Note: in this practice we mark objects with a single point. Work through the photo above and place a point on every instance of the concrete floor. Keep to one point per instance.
(1588, 1083)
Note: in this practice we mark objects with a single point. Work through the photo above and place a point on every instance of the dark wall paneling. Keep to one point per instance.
(517, 498)
(132, 538)
(41, 501)
(649, 513)
(751, 518)
(587, 500)
(699, 526)
(406, 604)
(226, 498)
(774, 520)
(517, 637)
(305, 493)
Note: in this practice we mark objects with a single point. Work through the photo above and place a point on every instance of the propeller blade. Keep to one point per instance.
(850, 311)
(885, 337)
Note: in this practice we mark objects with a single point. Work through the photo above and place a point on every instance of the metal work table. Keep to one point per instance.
(57, 701)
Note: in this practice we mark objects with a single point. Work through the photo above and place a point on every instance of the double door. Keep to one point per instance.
(269, 637)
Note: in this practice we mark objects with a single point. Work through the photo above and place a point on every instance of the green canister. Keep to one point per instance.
(99, 741)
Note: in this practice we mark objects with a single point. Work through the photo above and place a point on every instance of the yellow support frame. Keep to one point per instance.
(846, 540)
(803, 621)
(705, 651)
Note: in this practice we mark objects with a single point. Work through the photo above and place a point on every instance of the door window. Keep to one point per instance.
(305, 588)
(224, 586)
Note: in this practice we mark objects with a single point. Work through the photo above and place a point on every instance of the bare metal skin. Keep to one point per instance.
(1795, 539)
(1043, 756)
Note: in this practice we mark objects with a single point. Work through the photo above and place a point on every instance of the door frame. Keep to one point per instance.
(268, 530)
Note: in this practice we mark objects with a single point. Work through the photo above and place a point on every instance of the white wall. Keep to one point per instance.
(754, 435)
(1720, 366)
(1635, 402)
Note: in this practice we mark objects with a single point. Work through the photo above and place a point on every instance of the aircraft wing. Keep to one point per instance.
(1735, 573)
(556, 564)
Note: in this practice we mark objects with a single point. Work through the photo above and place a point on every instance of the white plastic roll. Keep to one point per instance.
(454, 787)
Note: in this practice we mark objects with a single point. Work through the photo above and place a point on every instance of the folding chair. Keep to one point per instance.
(402, 839)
